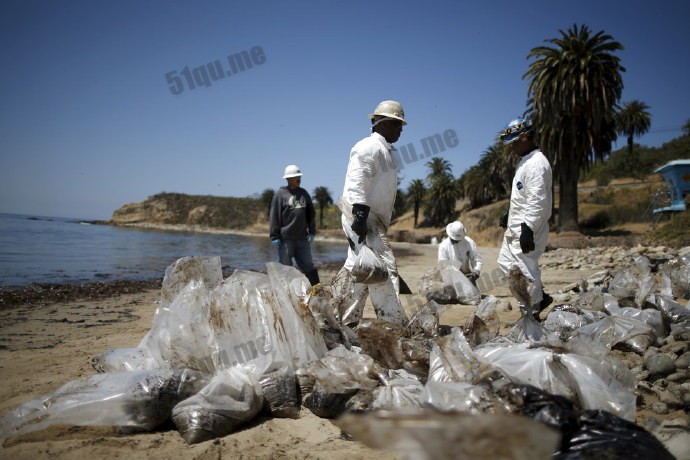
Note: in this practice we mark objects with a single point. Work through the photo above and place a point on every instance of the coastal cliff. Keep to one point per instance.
(177, 209)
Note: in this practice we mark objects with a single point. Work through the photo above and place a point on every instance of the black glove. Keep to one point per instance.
(503, 221)
(526, 238)
(360, 212)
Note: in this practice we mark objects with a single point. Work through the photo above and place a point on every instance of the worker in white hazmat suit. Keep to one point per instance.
(371, 185)
(526, 220)
(461, 248)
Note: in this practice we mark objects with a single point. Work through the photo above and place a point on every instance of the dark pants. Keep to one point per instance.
(300, 250)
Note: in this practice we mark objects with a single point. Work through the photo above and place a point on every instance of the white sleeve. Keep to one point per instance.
(443, 251)
(475, 259)
(360, 170)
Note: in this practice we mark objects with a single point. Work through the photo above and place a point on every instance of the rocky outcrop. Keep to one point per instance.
(180, 209)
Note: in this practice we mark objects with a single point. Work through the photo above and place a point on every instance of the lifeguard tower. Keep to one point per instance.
(677, 176)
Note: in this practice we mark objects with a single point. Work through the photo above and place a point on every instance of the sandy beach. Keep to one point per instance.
(45, 343)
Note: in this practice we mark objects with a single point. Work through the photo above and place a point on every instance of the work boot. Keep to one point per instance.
(545, 302)
(313, 277)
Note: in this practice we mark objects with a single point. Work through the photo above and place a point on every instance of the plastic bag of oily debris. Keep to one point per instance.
(400, 390)
(428, 434)
(539, 367)
(328, 384)
(646, 288)
(124, 359)
(564, 319)
(447, 284)
(132, 401)
(676, 315)
(677, 273)
(228, 401)
(368, 266)
(649, 316)
(456, 397)
(321, 305)
(624, 284)
(452, 360)
(206, 271)
(596, 383)
(425, 321)
(465, 292)
(342, 370)
(380, 340)
(280, 393)
(292, 292)
(526, 329)
(433, 288)
(484, 324)
(614, 330)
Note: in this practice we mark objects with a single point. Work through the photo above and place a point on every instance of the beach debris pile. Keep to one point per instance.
(222, 351)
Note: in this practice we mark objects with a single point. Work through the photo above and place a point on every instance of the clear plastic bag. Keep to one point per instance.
(137, 401)
(452, 360)
(227, 402)
(465, 292)
(342, 370)
(624, 284)
(292, 293)
(401, 390)
(124, 359)
(425, 321)
(454, 396)
(368, 267)
(613, 330)
(206, 271)
(483, 325)
(447, 284)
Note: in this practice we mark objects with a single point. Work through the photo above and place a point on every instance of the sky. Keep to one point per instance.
(107, 103)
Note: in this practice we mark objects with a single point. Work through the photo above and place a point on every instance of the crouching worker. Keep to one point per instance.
(461, 248)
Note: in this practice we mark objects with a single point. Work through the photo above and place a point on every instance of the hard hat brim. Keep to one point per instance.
(510, 139)
(288, 176)
(372, 115)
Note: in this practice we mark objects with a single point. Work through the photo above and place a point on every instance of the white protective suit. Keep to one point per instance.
(530, 202)
(372, 180)
(464, 251)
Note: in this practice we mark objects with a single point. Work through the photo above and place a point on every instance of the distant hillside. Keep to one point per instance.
(198, 210)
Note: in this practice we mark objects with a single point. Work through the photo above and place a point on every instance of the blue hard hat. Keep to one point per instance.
(514, 129)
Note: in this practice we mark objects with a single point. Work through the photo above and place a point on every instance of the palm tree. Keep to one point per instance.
(574, 88)
(633, 120)
(323, 197)
(441, 198)
(266, 199)
(488, 180)
(438, 167)
(416, 191)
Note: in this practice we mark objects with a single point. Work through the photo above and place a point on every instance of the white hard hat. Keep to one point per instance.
(389, 109)
(456, 231)
(292, 171)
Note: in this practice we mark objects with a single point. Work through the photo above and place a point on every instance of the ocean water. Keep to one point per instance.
(37, 249)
